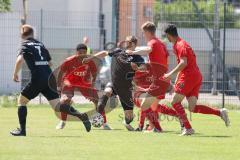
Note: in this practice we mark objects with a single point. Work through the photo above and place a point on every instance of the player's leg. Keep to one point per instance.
(127, 105)
(66, 98)
(22, 116)
(28, 93)
(176, 103)
(204, 109)
(54, 101)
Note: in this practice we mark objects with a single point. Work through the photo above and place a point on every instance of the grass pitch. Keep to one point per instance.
(212, 141)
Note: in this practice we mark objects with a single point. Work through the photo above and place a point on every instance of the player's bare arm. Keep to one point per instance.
(101, 55)
(142, 51)
(18, 66)
(177, 69)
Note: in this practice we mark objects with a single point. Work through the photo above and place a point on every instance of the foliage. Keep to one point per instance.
(5, 5)
(183, 14)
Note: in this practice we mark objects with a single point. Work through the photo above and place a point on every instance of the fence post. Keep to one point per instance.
(224, 49)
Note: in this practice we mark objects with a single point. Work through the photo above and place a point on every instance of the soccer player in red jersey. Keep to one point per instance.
(188, 81)
(76, 76)
(158, 59)
(143, 79)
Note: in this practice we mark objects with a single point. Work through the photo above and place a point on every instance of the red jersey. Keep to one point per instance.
(159, 52)
(75, 73)
(182, 49)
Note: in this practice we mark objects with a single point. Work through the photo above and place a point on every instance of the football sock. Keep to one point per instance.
(104, 117)
(166, 110)
(63, 116)
(102, 103)
(22, 116)
(182, 115)
(206, 110)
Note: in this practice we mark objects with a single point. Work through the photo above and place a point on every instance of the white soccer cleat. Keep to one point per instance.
(187, 132)
(128, 126)
(106, 126)
(61, 125)
(224, 116)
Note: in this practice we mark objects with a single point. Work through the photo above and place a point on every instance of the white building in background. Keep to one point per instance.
(60, 24)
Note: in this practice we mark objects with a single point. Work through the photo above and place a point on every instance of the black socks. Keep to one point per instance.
(22, 116)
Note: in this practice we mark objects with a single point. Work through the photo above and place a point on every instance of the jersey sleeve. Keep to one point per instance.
(115, 52)
(23, 50)
(48, 56)
(182, 52)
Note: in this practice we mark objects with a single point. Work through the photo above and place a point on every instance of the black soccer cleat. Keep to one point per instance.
(87, 124)
(18, 132)
(139, 129)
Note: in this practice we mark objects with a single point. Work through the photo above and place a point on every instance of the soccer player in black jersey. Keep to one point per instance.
(38, 61)
(122, 72)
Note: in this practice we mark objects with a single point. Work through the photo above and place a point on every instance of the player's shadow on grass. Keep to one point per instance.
(211, 136)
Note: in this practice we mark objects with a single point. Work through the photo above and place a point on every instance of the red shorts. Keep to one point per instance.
(188, 84)
(88, 92)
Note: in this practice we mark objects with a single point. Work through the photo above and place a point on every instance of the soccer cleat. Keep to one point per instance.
(139, 129)
(128, 126)
(18, 132)
(106, 126)
(187, 132)
(181, 125)
(87, 124)
(224, 116)
(61, 125)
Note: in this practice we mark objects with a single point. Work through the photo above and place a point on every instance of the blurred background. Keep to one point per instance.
(62, 24)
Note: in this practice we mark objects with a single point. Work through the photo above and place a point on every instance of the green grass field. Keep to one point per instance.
(212, 141)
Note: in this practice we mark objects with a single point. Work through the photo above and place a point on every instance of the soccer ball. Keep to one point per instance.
(97, 120)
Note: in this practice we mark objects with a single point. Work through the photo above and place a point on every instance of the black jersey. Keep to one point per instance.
(121, 70)
(37, 59)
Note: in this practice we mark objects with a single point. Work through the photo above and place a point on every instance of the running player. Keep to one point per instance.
(122, 74)
(158, 60)
(38, 61)
(188, 81)
(75, 76)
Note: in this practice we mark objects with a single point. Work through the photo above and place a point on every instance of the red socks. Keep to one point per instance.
(166, 110)
(206, 110)
(182, 115)
(63, 116)
(104, 117)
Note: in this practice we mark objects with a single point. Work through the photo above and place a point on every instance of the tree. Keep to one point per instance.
(5, 5)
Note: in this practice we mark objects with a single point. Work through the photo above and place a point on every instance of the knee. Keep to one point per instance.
(65, 101)
(22, 101)
(191, 107)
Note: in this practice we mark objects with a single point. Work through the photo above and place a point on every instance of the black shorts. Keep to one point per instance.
(125, 96)
(33, 88)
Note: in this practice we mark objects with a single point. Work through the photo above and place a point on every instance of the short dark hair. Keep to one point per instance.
(26, 30)
(81, 46)
(149, 26)
(132, 39)
(171, 29)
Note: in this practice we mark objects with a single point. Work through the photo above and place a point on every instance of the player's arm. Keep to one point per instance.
(101, 55)
(18, 66)
(142, 51)
(177, 69)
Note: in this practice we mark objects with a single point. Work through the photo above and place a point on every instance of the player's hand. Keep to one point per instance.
(129, 52)
(15, 78)
(167, 76)
(134, 66)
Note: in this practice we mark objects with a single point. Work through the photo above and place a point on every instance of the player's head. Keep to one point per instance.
(131, 42)
(27, 31)
(149, 30)
(81, 49)
(171, 32)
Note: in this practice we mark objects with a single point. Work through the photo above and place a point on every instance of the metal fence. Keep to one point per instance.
(201, 26)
